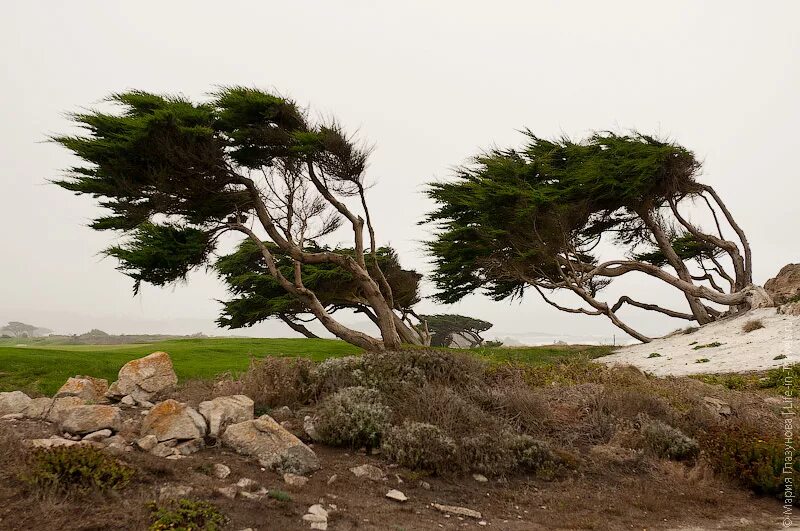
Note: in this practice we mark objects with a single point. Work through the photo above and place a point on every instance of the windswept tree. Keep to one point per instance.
(447, 328)
(175, 175)
(539, 217)
(18, 329)
(257, 295)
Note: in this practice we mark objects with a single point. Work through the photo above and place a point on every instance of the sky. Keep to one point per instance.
(429, 84)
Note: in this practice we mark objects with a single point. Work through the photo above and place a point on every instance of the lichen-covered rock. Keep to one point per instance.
(786, 285)
(144, 377)
(60, 406)
(171, 419)
(790, 308)
(85, 387)
(272, 445)
(226, 410)
(13, 402)
(91, 418)
(38, 408)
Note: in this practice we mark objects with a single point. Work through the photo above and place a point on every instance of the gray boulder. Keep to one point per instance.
(225, 410)
(272, 445)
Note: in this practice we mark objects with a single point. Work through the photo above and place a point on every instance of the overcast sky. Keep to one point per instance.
(429, 83)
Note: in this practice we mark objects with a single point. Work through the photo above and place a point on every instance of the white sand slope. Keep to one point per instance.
(738, 352)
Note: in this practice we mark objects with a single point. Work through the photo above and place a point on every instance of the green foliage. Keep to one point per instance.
(354, 417)
(505, 217)
(75, 469)
(419, 446)
(702, 360)
(685, 245)
(281, 496)
(186, 515)
(443, 327)
(258, 295)
(747, 455)
(654, 355)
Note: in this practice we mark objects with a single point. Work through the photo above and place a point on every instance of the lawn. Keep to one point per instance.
(44, 367)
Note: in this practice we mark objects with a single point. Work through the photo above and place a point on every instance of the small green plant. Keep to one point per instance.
(780, 357)
(667, 442)
(753, 324)
(654, 355)
(708, 345)
(693, 343)
(186, 515)
(280, 495)
(75, 468)
(419, 446)
(702, 360)
(690, 329)
(354, 416)
(745, 454)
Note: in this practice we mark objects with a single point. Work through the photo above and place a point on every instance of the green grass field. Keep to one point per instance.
(40, 367)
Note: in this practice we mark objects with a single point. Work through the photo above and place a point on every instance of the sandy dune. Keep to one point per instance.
(738, 351)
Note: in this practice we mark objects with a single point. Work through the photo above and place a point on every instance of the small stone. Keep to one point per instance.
(425, 485)
(221, 471)
(459, 511)
(322, 526)
(163, 450)
(308, 426)
(314, 518)
(147, 443)
(13, 416)
(246, 483)
(175, 457)
(190, 447)
(127, 400)
(480, 478)
(98, 435)
(396, 495)
(319, 510)
(294, 480)
(229, 492)
(332, 479)
(368, 471)
(257, 495)
(482, 522)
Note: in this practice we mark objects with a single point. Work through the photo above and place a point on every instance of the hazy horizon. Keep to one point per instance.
(430, 84)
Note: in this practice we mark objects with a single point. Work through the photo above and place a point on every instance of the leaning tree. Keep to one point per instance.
(540, 217)
(176, 175)
(257, 295)
(445, 328)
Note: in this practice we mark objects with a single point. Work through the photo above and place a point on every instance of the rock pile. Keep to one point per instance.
(89, 411)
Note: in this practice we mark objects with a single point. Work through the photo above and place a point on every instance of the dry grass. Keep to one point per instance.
(751, 325)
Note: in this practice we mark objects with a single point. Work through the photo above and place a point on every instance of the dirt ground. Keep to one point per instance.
(663, 495)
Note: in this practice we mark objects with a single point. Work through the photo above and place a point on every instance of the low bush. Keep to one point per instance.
(272, 381)
(354, 416)
(498, 454)
(68, 469)
(186, 515)
(666, 441)
(419, 446)
(745, 454)
(751, 325)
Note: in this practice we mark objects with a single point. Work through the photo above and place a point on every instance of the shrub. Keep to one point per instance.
(272, 381)
(419, 446)
(75, 469)
(666, 441)
(532, 454)
(186, 515)
(745, 454)
(654, 355)
(486, 453)
(354, 416)
(753, 324)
